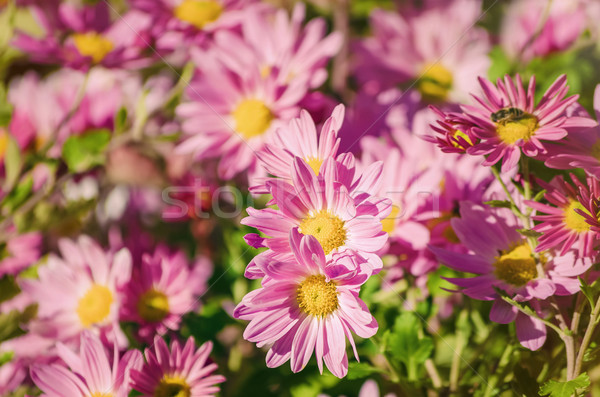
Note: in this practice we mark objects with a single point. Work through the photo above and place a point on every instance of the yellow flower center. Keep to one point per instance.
(3, 143)
(198, 13)
(388, 224)
(316, 296)
(435, 82)
(575, 221)
(100, 394)
(172, 386)
(153, 306)
(327, 228)
(252, 118)
(523, 127)
(315, 164)
(92, 45)
(265, 71)
(94, 306)
(516, 266)
(458, 133)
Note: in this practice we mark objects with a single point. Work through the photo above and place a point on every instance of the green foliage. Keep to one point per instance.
(553, 388)
(121, 120)
(501, 64)
(6, 108)
(84, 152)
(361, 370)
(13, 162)
(405, 344)
(8, 288)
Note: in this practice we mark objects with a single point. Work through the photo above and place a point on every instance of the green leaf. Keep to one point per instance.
(12, 162)
(361, 370)
(84, 152)
(498, 203)
(501, 64)
(553, 388)
(405, 345)
(529, 233)
(590, 291)
(6, 108)
(8, 288)
(121, 120)
(6, 357)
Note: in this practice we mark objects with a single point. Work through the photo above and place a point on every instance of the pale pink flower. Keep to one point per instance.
(308, 304)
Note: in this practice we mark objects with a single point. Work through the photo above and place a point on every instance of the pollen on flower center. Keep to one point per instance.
(574, 220)
(153, 306)
(172, 386)
(198, 13)
(3, 142)
(456, 143)
(314, 163)
(252, 117)
(94, 306)
(327, 228)
(92, 44)
(388, 224)
(100, 394)
(512, 130)
(516, 266)
(316, 296)
(435, 82)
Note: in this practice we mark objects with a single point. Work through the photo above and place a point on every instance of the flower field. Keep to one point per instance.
(299, 198)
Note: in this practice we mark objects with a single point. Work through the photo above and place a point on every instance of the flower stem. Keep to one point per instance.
(587, 338)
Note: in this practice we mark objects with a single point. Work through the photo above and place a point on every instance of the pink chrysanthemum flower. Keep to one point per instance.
(79, 291)
(80, 37)
(502, 258)
(324, 208)
(230, 114)
(580, 149)
(91, 371)
(307, 304)
(564, 227)
(19, 253)
(162, 289)
(178, 25)
(532, 28)
(280, 45)
(421, 46)
(299, 139)
(451, 136)
(507, 121)
(180, 371)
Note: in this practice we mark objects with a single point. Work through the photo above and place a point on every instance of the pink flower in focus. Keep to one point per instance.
(502, 258)
(162, 289)
(182, 370)
(91, 372)
(81, 290)
(506, 120)
(533, 28)
(20, 252)
(82, 36)
(564, 227)
(322, 206)
(307, 304)
(299, 139)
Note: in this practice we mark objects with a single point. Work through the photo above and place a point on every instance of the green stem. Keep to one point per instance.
(499, 372)
(587, 338)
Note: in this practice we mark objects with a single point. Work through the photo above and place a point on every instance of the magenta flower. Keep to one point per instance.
(421, 46)
(180, 371)
(565, 227)
(580, 149)
(79, 291)
(80, 37)
(20, 252)
(308, 304)
(533, 28)
(502, 258)
(506, 120)
(231, 113)
(280, 45)
(161, 291)
(451, 136)
(299, 139)
(321, 206)
(91, 372)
